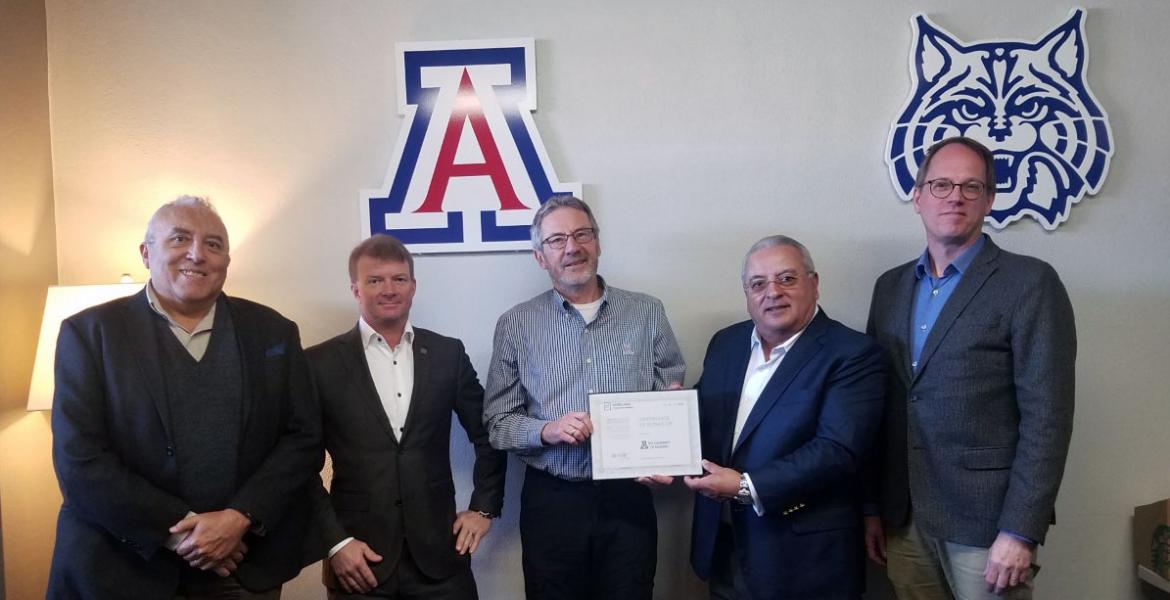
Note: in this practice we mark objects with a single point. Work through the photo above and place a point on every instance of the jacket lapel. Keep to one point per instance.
(139, 324)
(252, 354)
(354, 353)
(422, 365)
(980, 270)
(903, 301)
(737, 365)
(802, 351)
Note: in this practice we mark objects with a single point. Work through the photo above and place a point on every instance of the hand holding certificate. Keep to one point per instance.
(640, 434)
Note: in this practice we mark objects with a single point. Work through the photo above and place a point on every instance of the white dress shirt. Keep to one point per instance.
(759, 373)
(392, 370)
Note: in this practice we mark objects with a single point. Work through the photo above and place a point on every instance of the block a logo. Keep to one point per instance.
(469, 169)
(1028, 102)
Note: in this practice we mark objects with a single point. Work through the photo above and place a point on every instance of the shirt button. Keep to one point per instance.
(399, 394)
(914, 364)
(922, 327)
(934, 292)
(588, 360)
(590, 391)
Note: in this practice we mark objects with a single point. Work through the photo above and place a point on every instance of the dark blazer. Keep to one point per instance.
(802, 446)
(386, 489)
(114, 454)
(976, 440)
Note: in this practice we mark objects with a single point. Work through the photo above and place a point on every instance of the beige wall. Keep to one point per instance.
(696, 127)
(28, 263)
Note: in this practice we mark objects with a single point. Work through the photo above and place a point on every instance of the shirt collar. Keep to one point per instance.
(369, 335)
(564, 304)
(960, 264)
(787, 344)
(204, 324)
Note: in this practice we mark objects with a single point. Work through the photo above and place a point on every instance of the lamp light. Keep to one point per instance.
(62, 302)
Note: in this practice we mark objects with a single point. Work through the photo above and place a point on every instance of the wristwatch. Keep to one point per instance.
(744, 494)
(487, 515)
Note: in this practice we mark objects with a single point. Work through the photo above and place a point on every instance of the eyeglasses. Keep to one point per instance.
(941, 188)
(758, 285)
(557, 241)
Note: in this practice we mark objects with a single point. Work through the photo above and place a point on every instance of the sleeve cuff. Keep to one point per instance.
(339, 546)
(1025, 539)
(756, 503)
(534, 441)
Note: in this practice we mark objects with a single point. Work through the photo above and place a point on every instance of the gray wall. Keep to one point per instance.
(696, 128)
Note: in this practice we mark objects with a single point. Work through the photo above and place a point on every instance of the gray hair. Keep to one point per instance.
(184, 201)
(777, 240)
(554, 203)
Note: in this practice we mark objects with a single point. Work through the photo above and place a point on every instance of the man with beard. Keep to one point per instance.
(580, 538)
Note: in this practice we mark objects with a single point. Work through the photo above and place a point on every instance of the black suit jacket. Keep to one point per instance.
(803, 445)
(976, 438)
(114, 454)
(387, 488)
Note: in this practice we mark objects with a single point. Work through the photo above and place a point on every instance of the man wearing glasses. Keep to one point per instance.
(790, 407)
(980, 346)
(580, 538)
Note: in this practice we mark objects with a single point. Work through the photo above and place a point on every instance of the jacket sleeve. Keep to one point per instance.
(850, 413)
(96, 483)
(1044, 351)
(490, 464)
(297, 455)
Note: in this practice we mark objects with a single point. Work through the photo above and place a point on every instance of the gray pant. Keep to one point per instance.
(922, 567)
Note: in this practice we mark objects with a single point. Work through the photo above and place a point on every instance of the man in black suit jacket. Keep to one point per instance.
(387, 390)
(790, 404)
(980, 346)
(184, 432)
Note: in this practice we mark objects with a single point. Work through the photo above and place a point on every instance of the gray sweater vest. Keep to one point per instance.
(206, 399)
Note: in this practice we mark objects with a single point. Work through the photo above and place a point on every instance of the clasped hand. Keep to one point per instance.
(214, 540)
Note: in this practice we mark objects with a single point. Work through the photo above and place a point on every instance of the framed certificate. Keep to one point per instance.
(636, 434)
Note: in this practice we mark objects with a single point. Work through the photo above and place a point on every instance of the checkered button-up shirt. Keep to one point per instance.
(546, 360)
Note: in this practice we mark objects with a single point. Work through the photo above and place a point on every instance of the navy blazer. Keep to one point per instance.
(802, 445)
(113, 451)
(388, 488)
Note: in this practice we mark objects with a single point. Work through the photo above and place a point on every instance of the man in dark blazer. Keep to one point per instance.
(980, 346)
(387, 390)
(184, 432)
(790, 403)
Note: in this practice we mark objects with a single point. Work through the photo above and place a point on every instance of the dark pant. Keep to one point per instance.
(727, 581)
(588, 539)
(407, 582)
(205, 585)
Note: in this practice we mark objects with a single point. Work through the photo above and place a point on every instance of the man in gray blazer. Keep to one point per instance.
(981, 347)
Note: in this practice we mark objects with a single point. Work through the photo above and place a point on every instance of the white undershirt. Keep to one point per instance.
(588, 310)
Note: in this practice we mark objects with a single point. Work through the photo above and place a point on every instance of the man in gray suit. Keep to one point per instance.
(981, 347)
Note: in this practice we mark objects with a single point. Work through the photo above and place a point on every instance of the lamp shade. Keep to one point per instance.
(62, 302)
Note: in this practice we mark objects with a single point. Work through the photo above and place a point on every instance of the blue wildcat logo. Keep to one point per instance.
(1028, 102)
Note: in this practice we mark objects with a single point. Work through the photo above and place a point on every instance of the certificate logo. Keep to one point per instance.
(1028, 102)
(470, 168)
